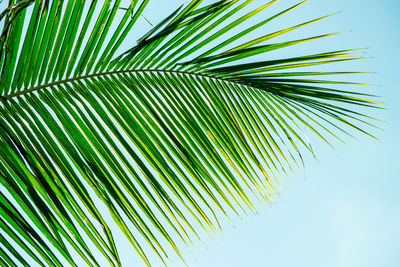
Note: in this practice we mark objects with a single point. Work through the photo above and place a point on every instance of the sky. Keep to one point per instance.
(344, 208)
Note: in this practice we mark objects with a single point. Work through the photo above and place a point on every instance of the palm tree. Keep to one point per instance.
(194, 123)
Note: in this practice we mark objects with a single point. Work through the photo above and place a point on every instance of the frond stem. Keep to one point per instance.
(37, 88)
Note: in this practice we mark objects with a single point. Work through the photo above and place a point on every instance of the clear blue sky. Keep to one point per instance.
(344, 209)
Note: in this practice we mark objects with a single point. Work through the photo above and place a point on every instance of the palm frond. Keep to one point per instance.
(182, 129)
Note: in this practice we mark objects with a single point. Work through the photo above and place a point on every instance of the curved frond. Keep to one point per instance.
(185, 128)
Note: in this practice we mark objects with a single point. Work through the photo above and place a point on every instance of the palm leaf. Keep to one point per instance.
(184, 128)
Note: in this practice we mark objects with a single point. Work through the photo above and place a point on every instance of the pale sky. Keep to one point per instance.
(344, 210)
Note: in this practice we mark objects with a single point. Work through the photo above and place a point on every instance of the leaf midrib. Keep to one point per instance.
(93, 75)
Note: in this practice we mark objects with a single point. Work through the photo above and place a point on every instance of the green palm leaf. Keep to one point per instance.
(173, 134)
